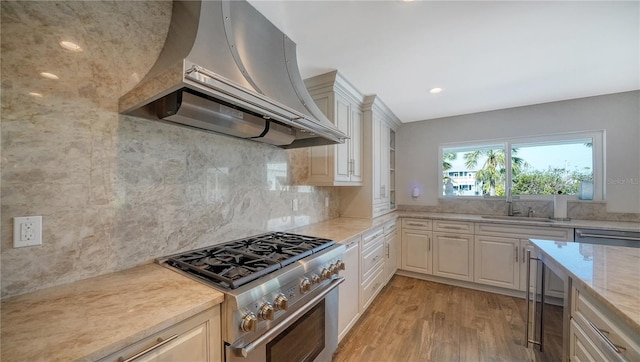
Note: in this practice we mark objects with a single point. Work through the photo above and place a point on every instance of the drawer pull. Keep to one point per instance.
(160, 343)
(415, 224)
(451, 228)
(601, 333)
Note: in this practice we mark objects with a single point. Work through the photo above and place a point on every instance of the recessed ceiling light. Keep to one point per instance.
(49, 75)
(70, 46)
(435, 90)
(34, 94)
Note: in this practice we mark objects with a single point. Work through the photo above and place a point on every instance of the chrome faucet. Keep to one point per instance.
(510, 211)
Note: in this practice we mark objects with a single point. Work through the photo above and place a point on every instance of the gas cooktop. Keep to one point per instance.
(233, 264)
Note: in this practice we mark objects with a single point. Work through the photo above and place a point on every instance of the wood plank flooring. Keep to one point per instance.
(417, 320)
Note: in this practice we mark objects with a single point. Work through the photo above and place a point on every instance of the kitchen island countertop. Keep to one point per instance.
(611, 274)
(92, 318)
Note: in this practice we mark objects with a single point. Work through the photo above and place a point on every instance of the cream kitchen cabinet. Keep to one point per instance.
(417, 249)
(391, 249)
(597, 334)
(377, 194)
(349, 290)
(194, 339)
(372, 257)
(341, 164)
(497, 261)
(500, 252)
(453, 249)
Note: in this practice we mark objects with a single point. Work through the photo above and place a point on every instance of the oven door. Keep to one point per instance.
(310, 333)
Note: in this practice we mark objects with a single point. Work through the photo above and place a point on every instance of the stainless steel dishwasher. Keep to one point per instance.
(608, 237)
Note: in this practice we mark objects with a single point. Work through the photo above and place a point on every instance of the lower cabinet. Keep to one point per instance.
(417, 254)
(391, 249)
(194, 339)
(349, 290)
(417, 251)
(453, 256)
(453, 249)
(597, 334)
(498, 261)
(372, 257)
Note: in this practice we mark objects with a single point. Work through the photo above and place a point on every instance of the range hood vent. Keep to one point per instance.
(225, 68)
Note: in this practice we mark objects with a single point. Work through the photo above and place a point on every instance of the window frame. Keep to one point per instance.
(597, 155)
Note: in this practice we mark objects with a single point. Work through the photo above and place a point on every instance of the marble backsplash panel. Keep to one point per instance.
(117, 191)
(579, 210)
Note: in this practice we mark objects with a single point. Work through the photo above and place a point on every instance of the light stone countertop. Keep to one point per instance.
(588, 224)
(92, 318)
(610, 273)
(343, 228)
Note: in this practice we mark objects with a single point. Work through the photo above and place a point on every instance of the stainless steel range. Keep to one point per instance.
(281, 300)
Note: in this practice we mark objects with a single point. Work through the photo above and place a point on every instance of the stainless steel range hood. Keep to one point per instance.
(225, 68)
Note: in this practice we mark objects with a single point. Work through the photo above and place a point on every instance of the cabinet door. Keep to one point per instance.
(391, 245)
(348, 291)
(453, 256)
(376, 163)
(496, 261)
(342, 153)
(384, 161)
(356, 144)
(416, 251)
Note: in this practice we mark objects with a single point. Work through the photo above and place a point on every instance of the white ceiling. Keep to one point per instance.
(486, 55)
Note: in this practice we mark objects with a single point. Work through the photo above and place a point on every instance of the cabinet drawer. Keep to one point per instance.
(371, 235)
(581, 348)
(372, 258)
(390, 227)
(604, 331)
(525, 232)
(371, 287)
(196, 338)
(453, 226)
(420, 224)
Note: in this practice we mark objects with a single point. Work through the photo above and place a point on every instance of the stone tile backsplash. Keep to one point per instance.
(579, 210)
(116, 191)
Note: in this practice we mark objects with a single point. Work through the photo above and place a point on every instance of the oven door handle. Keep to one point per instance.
(270, 334)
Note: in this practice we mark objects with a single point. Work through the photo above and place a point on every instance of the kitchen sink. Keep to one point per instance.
(518, 218)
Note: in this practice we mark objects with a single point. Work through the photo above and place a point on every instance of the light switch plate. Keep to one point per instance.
(27, 231)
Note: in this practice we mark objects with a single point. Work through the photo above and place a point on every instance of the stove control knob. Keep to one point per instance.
(305, 285)
(266, 311)
(315, 279)
(325, 274)
(333, 269)
(340, 265)
(281, 302)
(249, 323)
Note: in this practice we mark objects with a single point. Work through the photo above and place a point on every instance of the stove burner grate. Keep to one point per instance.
(236, 263)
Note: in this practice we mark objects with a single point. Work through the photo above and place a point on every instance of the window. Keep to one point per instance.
(533, 166)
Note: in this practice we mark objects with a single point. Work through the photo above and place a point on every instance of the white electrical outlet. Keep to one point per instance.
(27, 231)
(294, 205)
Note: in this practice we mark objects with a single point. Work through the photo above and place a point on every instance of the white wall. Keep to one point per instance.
(618, 114)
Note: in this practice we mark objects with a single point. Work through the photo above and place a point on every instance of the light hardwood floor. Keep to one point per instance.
(417, 320)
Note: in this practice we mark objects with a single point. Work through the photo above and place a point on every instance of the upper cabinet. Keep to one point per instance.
(341, 164)
(377, 195)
